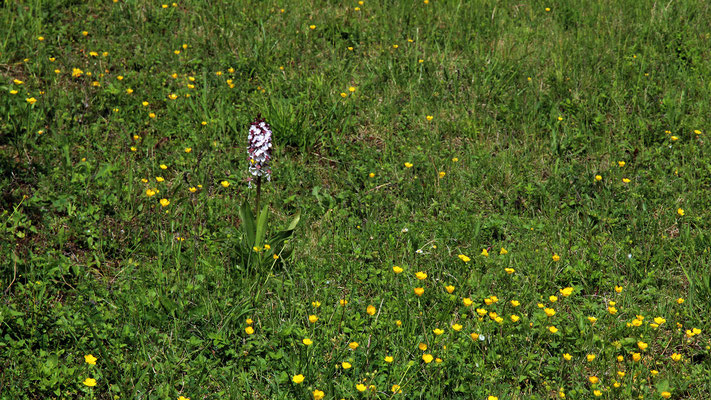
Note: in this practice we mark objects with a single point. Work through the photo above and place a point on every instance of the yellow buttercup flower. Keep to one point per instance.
(370, 310)
(464, 258)
(421, 275)
(485, 252)
(555, 257)
(567, 357)
(552, 329)
(408, 165)
(449, 289)
(297, 379)
(318, 395)
(307, 341)
(90, 359)
(313, 318)
(91, 382)
(249, 330)
(397, 269)
(427, 358)
(164, 202)
(467, 301)
(388, 359)
(346, 365)
(419, 291)
(565, 292)
(353, 345)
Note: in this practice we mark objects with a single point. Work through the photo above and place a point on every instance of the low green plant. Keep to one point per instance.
(256, 250)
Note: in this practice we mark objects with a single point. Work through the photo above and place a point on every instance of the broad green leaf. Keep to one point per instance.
(245, 214)
(261, 227)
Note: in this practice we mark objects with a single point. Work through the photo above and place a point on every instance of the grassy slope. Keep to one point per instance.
(168, 315)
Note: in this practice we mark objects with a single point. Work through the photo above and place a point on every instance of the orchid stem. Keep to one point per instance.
(259, 193)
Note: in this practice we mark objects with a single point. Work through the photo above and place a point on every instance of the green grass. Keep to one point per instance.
(520, 107)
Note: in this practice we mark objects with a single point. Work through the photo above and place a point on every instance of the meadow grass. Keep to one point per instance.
(498, 199)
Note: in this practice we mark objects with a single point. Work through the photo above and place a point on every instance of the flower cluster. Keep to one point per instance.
(259, 149)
